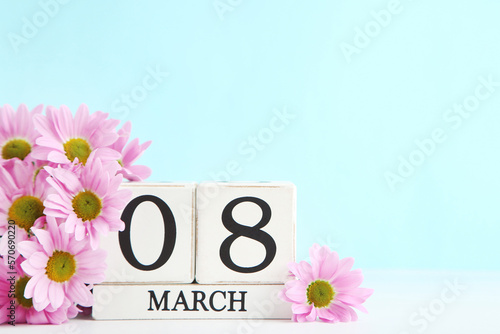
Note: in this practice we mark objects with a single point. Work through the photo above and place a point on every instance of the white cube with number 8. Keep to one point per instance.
(157, 244)
(245, 232)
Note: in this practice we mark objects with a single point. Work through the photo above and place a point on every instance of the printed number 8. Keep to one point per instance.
(253, 232)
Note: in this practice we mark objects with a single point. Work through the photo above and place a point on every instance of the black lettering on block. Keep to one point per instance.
(181, 300)
(254, 233)
(170, 233)
(212, 306)
(232, 301)
(164, 300)
(197, 300)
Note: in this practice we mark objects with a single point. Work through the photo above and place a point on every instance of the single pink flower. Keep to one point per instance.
(21, 200)
(326, 289)
(60, 267)
(129, 154)
(17, 132)
(89, 200)
(22, 310)
(66, 139)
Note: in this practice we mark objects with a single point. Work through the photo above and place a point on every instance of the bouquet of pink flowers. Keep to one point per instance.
(59, 190)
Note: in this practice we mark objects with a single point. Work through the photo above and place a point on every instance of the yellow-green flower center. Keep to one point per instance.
(77, 148)
(60, 267)
(320, 293)
(20, 286)
(16, 148)
(25, 210)
(87, 205)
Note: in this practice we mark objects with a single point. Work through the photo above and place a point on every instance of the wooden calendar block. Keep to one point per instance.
(189, 301)
(245, 232)
(157, 244)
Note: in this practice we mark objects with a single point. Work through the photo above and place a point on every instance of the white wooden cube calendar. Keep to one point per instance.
(244, 235)
(245, 232)
(157, 245)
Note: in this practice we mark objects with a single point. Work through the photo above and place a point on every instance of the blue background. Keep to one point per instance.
(356, 113)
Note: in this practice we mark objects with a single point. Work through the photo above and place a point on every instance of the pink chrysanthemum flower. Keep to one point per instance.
(65, 138)
(327, 289)
(60, 267)
(22, 311)
(89, 201)
(129, 154)
(22, 194)
(17, 132)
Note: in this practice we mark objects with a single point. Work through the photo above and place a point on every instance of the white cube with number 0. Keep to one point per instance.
(245, 232)
(157, 244)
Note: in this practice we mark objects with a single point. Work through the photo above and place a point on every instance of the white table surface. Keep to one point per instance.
(398, 296)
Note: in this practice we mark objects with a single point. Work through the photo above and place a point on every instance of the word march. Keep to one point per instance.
(217, 301)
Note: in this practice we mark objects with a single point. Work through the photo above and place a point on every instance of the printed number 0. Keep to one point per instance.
(254, 233)
(168, 240)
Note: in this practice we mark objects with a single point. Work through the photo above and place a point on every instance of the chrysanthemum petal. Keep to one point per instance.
(56, 294)
(136, 173)
(324, 314)
(349, 299)
(37, 261)
(344, 266)
(340, 311)
(40, 293)
(30, 286)
(28, 248)
(30, 270)
(45, 240)
(300, 317)
(348, 281)
(71, 222)
(297, 294)
(77, 291)
(107, 154)
(303, 270)
(301, 308)
(80, 232)
(313, 315)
